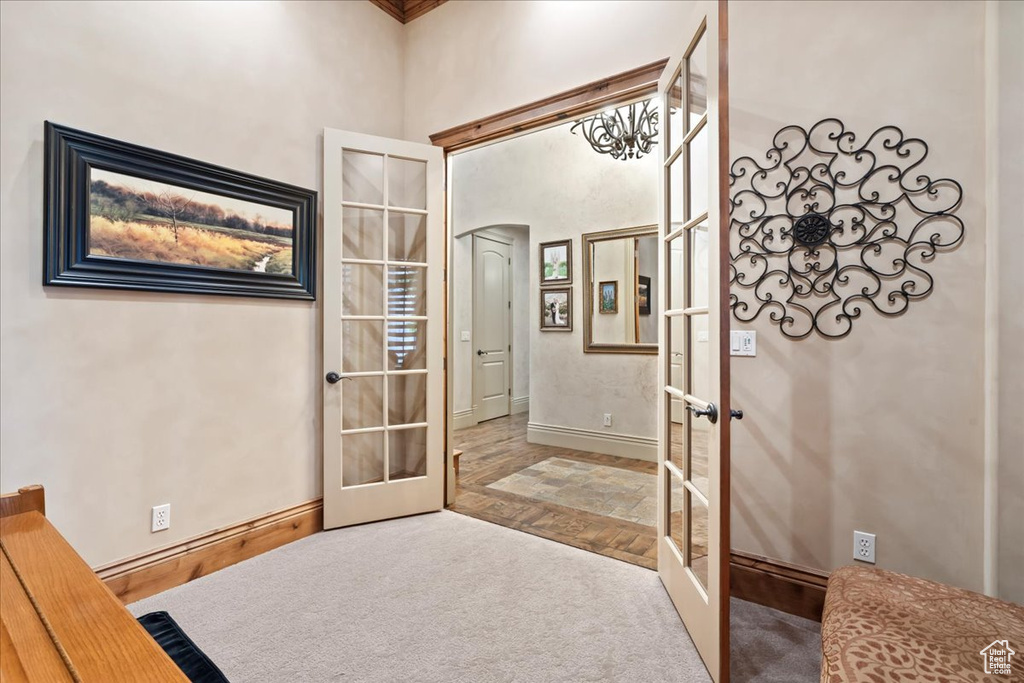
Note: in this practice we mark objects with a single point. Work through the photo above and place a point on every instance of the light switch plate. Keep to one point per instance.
(742, 343)
(465, 335)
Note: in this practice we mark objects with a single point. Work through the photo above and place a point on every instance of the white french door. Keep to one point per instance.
(383, 303)
(693, 472)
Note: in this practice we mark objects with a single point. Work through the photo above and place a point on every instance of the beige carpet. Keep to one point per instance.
(439, 597)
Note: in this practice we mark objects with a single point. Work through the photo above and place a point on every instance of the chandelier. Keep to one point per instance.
(625, 133)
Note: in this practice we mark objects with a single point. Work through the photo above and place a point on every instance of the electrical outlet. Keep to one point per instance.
(161, 517)
(864, 547)
(607, 419)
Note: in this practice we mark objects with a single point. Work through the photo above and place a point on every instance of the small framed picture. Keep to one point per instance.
(608, 302)
(643, 295)
(556, 263)
(556, 309)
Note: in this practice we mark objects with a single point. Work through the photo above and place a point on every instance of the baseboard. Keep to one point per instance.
(608, 443)
(783, 586)
(462, 419)
(520, 405)
(151, 572)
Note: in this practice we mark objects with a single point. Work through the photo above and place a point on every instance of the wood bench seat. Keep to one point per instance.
(58, 621)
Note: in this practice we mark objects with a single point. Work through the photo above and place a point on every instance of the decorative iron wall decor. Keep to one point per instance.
(827, 226)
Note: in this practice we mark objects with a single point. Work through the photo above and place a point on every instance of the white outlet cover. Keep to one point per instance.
(607, 419)
(864, 547)
(161, 517)
(465, 335)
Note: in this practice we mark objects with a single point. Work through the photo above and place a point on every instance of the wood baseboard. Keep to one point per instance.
(608, 443)
(787, 587)
(151, 572)
(783, 586)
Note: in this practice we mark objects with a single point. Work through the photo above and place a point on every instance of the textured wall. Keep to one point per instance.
(120, 401)
(1007, 23)
(880, 431)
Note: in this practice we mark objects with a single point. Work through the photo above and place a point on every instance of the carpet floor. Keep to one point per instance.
(445, 597)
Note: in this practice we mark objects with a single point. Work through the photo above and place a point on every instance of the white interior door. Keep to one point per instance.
(693, 498)
(492, 334)
(383, 303)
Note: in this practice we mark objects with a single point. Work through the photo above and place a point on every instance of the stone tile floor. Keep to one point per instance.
(602, 490)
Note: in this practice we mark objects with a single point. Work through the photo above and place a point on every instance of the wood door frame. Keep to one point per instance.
(484, 234)
(627, 86)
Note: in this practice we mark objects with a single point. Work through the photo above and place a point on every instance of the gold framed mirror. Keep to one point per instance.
(620, 281)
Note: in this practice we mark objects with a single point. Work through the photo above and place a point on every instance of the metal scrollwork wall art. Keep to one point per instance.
(827, 227)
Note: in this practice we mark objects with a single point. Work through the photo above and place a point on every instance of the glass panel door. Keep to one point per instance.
(383, 436)
(693, 554)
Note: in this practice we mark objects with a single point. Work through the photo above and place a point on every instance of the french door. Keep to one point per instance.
(383, 303)
(694, 410)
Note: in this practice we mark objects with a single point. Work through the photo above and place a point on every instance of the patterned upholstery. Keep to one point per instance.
(880, 626)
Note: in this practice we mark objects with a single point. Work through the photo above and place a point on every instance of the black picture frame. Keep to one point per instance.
(70, 156)
(644, 294)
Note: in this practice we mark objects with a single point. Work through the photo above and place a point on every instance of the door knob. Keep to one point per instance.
(333, 378)
(711, 412)
(737, 414)
(481, 352)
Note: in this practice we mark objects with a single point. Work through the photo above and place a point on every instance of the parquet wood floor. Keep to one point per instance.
(495, 449)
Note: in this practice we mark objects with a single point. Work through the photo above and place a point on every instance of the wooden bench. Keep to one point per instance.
(58, 621)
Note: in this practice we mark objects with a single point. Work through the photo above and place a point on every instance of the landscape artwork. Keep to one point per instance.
(556, 309)
(145, 220)
(555, 262)
(122, 216)
(609, 300)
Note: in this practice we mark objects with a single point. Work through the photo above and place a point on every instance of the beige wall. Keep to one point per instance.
(880, 431)
(1006, 102)
(119, 402)
(466, 60)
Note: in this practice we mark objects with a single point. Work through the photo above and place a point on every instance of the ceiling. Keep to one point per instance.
(407, 10)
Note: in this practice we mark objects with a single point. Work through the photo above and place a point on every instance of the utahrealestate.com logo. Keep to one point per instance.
(997, 657)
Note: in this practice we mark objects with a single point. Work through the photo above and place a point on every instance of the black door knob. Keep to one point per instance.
(737, 414)
(711, 412)
(481, 352)
(333, 378)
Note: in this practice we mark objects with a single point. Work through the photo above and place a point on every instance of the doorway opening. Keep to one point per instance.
(556, 429)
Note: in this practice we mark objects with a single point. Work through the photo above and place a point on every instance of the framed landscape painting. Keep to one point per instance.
(120, 216)
(556, 263)
(556, 309)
